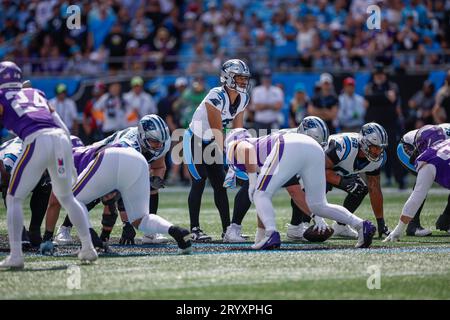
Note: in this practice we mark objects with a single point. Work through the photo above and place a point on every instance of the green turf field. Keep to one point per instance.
(416, 268)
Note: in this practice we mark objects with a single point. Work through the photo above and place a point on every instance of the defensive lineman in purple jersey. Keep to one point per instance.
(26, 112)
(291, 154)
(432, 165)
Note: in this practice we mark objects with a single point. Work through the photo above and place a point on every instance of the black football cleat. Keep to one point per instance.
(183, 238)
(443, 223)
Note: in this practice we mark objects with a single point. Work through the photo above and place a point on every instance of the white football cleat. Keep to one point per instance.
(233, 233)
(154, 238)
(63, 236)
(12, 263)
(295, 233)
(344, 231)
(87, 255)
(422, 232)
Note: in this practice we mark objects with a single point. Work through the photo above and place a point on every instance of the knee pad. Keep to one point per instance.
(120, 205)
(109, 220)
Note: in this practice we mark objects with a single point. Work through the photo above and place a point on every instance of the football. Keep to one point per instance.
(313, 235)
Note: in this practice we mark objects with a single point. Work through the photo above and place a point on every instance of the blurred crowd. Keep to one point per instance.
(111, 108)
(196, 36)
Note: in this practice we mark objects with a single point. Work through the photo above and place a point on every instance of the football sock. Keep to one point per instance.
(15, 224)
(38, 205)
(381, 224)
(154, 200)
(447, 207)
(296, 217)
(265, 210)
(416, 220)
(67, 223)
(151, 223)
(79, 216)
(194, 201)
(241, 204)
(48, 236)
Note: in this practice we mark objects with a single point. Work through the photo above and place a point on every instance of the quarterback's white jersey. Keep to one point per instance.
(219, 99)
(10, 151)
(129, 137)
(343, 150)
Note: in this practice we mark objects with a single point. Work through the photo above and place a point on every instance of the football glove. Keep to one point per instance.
(156, 182)
(320, 224)
(395, 234)
(47, 248)
(354, 185)
(128, 234)
(230, 179)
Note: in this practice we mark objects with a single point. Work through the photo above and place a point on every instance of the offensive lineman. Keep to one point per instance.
(26, 112)
(347, 156)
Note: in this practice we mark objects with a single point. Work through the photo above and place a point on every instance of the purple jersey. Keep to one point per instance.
(439, 156)
(82, 156)
(263, 146)
(25, 111)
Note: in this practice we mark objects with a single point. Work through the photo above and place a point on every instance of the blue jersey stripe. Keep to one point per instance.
(348, 147)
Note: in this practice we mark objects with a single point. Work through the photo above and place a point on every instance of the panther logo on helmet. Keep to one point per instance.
(374, 140)
(153, 133)
(316, 128)
(235, 68)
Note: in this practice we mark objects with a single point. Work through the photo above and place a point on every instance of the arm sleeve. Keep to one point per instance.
(425, 178)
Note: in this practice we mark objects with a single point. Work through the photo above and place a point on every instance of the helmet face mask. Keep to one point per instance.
(374, 140)
(235, 75)
(316, 128)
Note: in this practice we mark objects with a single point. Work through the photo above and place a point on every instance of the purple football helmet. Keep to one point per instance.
(76, 142)
(10, 75)
(427, 136)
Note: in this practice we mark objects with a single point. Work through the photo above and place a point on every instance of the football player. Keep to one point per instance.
(278, 158)
(120, 168)
(432, 164)
(312, 126)
(405, 151)
(151, 138)
(26, 112)
(347, 156)
(203, 141)
(10, 151)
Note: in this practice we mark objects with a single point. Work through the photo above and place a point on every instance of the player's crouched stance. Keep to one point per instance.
(125, 170)
(292, 155)
(432, 163)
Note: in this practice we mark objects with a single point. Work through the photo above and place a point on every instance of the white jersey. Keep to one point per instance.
(129, 137)
(10, 151)
(218, 98)
(343, 150)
